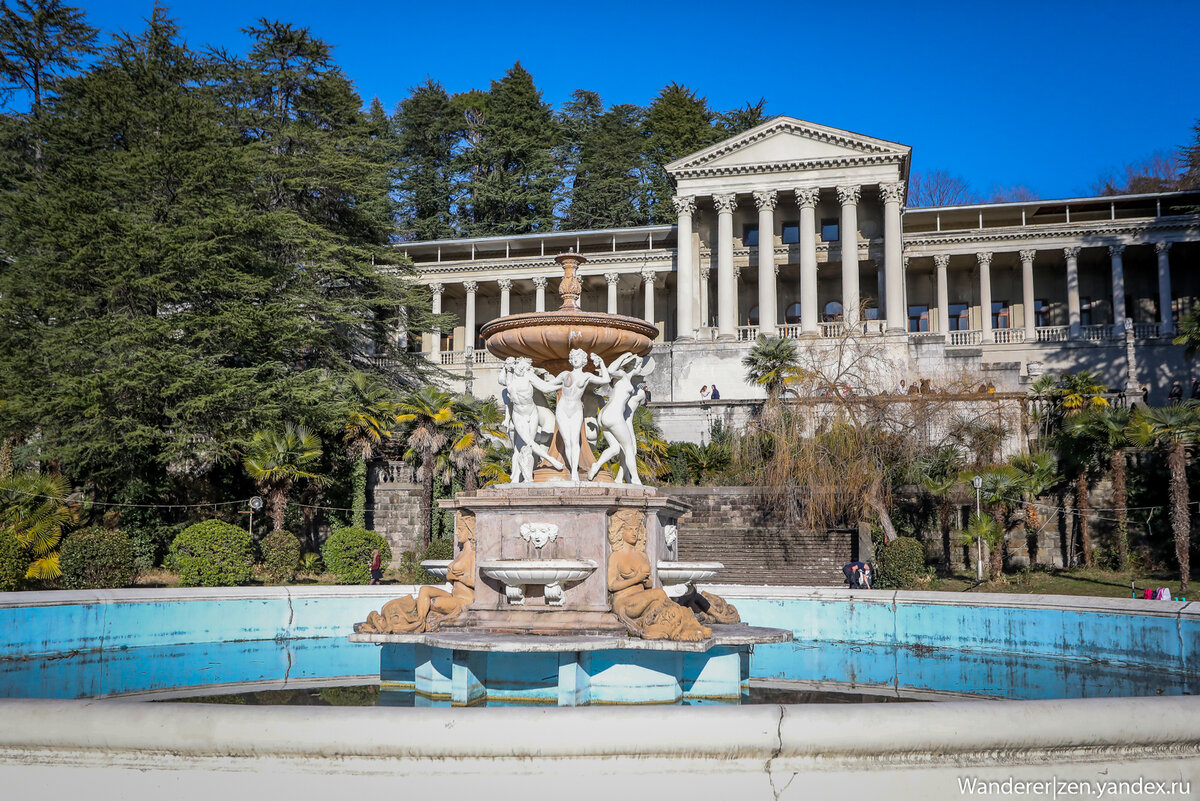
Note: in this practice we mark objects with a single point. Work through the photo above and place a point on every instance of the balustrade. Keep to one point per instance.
(1053, 333)
(968, 337)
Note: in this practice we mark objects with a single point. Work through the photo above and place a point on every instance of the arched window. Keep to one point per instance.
(752, 318)
(833, 312)
(792, 315)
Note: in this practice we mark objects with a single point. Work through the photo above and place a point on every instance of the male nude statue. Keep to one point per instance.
(519, 384)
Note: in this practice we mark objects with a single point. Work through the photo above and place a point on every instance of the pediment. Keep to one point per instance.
(787, 142)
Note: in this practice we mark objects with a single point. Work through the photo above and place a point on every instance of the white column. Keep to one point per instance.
(539, 282)
(893, 197)
(942, 262)
(505, 297)
(685, 277)
(806, 199)
(469, 317)
(611, 279)
(766, 261)
(1117, 254)
(1027, 294)
(1072, 255)
(726, 304)
(985, 294)
(1164, 288)
(648, 277)
(848, 196)
(435, 347)
(705, 269)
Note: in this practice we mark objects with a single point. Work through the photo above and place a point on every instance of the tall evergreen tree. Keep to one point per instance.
(513, 181)
(41, 42)
(427, 128)
(202, 231)
(677, 123)
(606, 186)
(741, 119)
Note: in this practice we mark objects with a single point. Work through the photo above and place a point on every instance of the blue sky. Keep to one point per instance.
(1046, 94)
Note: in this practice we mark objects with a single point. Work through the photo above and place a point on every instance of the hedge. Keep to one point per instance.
(213, 554)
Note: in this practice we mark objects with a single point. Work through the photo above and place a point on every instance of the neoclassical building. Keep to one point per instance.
(800, 230)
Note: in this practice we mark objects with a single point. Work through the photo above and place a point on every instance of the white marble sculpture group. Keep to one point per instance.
(531, 424)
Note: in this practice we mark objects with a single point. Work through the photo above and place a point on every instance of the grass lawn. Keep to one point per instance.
(1077, 581)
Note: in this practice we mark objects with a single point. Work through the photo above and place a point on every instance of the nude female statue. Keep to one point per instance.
(432, 605)
(524, 416)
(568, 414)
(646, 612)
(615, 419)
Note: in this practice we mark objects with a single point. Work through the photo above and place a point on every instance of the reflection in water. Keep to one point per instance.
(842, 667)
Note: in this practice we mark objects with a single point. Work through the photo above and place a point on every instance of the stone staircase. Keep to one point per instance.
(730, 525)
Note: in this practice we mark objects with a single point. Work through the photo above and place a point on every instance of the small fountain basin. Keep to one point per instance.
(516, 574)
(437, 567)
(670, 573)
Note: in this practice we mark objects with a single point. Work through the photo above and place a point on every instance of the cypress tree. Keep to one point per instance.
(513, 176)
(677, 123)
(427, 129)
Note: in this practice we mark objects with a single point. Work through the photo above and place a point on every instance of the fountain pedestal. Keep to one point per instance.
(534, 543)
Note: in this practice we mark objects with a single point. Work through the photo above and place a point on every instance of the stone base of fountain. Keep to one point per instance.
(470, 668)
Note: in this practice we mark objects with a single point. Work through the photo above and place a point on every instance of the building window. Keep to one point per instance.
(959, 319)
(1144, 310)
(1041, 312)
(829, 230)
(833, 312)
(749, 236)
(792, 315)
(752, 318)
(870, 313)
(1000, 315)
(791, 233)
(918, 318)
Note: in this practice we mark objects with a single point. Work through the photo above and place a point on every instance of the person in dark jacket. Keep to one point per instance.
(858, 575)
(1175, 396)
(1196, 389)
(716, 395)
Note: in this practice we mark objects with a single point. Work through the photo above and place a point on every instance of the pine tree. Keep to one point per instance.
(203, 231)
(427, 129)
(741, 119)
(607, 178)
(41, 42)
(513, 176)
(677, 123)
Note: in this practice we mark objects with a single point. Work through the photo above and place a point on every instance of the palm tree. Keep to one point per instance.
(1111, 429)
(984, 529)
(1079, 450)
(938, 474)
(277, 459)
(651, 447)
(705, 461)
(1188, 333)
(1080, 392)
(1173, 429)
(1002, 491)
(496, 463)
(428, 414)
(34, 507)
(481, 423)
(370, 408)
(1039, 474)
(773, 364)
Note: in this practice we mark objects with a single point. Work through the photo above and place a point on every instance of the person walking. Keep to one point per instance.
(1175, 396)
(376, 567)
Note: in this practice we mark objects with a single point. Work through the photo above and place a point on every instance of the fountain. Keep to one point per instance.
(558, 583)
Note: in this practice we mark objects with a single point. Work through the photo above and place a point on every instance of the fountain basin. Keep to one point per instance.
(437, 567)
(670, 573)
(516, 574)
(548, 337)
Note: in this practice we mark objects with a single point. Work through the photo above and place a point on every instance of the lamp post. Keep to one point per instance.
(977, 483)
(256, 503)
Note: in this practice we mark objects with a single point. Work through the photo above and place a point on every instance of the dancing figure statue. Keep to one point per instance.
(525, 418)
(615, 419)
(432, 605)
(568, 414)
(646, 612)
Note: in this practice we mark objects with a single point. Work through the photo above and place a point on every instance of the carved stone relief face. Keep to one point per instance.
(538, 534)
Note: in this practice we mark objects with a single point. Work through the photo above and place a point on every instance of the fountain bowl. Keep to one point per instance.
(548, 337)
(516, 574)
(437, 567)
(670, 573)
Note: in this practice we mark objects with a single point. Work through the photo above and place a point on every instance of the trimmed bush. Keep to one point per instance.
(97, 558)
(213, 554)
(13, 562)
(899, 563)
(280, 555)
(151, 544)
(347, 554)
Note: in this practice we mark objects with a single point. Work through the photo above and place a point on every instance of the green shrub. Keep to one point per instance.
(311, 563)
(442, 548)
(347, 554)
(213, 554)
(280, 555)
(97, 558)
(13, 561)
(899, 563)
(151, 544)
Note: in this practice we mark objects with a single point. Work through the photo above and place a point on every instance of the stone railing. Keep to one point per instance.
(1053, 333)
(1097, 333)
(968, 337)
(1008, 336)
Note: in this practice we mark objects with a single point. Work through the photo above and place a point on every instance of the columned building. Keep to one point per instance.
(799, 230)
